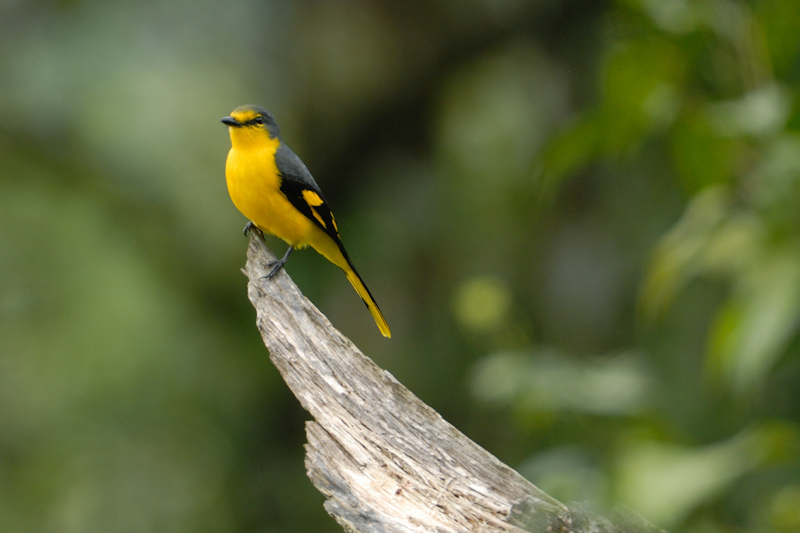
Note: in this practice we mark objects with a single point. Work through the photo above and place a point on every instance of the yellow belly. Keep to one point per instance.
(254, 187)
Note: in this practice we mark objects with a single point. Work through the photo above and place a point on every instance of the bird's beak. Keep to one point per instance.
(232, 122)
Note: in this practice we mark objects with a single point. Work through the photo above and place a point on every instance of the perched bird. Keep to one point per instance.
(272, 187)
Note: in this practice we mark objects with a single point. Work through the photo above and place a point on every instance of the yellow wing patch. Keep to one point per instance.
(312, 198)
(319, 218)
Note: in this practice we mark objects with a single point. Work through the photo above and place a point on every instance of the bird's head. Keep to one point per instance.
(250, 124)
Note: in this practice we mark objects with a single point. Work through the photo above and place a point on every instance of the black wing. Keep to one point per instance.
(302, 191)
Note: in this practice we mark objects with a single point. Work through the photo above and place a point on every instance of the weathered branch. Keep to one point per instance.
(386, 461)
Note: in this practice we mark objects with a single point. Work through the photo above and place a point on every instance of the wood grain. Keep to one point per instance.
(385, 461)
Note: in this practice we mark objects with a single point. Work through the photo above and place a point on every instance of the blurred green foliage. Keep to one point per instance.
(582, 220)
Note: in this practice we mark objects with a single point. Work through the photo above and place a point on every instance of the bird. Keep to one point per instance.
(274, 189)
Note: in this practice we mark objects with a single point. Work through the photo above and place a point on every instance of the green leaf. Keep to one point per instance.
(758, 320)
(665, 482)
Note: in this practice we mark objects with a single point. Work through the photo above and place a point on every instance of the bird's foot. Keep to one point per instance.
(277, 265)
(248, 227)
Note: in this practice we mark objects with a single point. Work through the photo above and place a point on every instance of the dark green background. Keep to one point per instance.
(581, 220)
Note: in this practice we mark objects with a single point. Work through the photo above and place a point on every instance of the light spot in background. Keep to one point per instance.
(482, 304)
(547, 381)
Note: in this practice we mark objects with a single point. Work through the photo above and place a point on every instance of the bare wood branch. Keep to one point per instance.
(386, 461)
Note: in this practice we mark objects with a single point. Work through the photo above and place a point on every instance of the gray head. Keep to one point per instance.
(252, 118)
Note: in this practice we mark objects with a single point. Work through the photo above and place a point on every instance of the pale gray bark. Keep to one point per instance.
(385, 461)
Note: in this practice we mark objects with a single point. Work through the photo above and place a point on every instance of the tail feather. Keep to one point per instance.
(331, 248)
(363, 291)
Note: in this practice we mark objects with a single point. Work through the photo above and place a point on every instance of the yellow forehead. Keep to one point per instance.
(243, 115)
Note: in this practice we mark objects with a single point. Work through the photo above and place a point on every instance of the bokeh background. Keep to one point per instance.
(581, 219)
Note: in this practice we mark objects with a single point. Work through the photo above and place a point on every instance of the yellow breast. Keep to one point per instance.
(254, 187)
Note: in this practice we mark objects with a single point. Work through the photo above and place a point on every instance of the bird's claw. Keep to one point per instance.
(277, 265)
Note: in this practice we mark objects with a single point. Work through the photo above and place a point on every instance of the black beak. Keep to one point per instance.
(232, 122)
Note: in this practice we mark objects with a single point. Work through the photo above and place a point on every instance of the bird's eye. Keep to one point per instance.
(258, 120)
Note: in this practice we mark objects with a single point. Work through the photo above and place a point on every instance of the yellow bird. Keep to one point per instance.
(272, 187)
